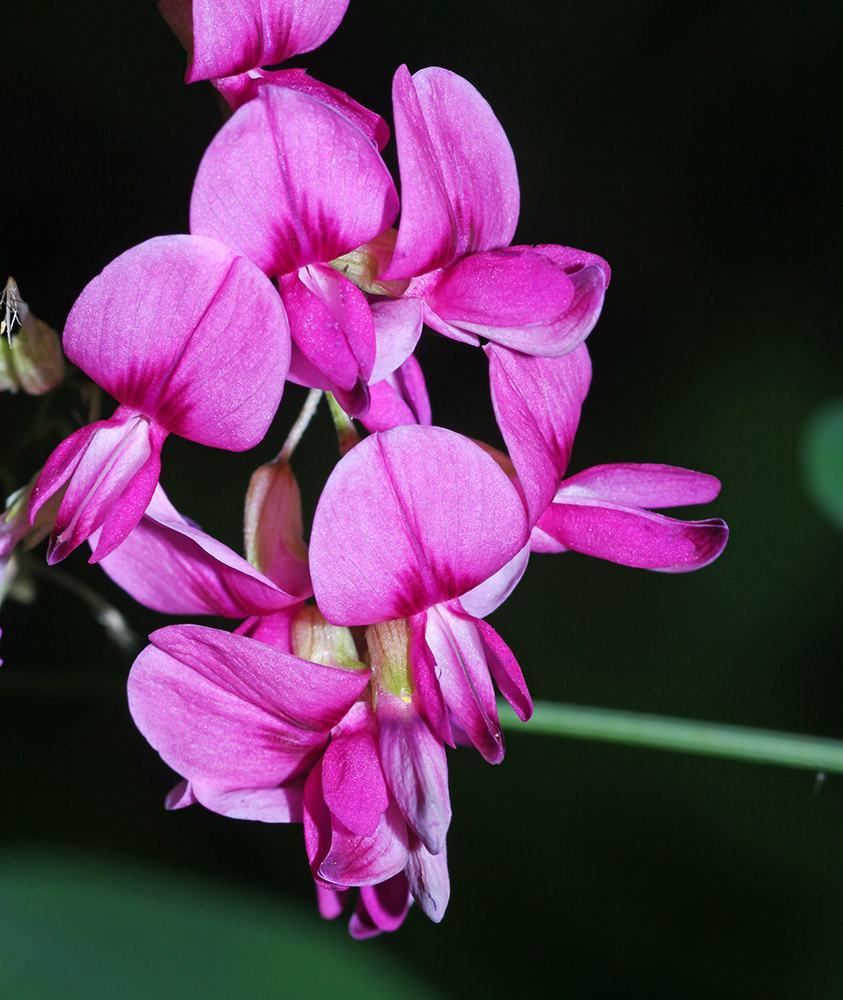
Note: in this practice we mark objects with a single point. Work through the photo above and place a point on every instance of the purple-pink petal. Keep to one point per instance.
(267, 805)
(353, 784)
(407, 519)
(289, 182)
(464, 679)
(233, 713)
(237, 90)
(537, 404)
(414, 763)
(633, 537)
(170, 565)
(429, 882)
(459, 186)
(381, 907)
(356, 860)
(641, 485)
(231, 38)
(184, 331)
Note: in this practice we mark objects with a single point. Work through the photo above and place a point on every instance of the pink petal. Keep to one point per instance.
(633, 537)
(267, 805)
(429, 882)
(464, 678)
(407, 519)
(356, 860)
(491, 593)
(111, 469)
(381, 907)
(332, 324)
(398, 327)
(289, 182)
(275, 630)
(331, 902)
(415, 767)
(184, 331)
(459, 186)
(537, 404)
(234, 38)
(505, 670)
(399, 399)
(426, 681)
(641, 485)
(170, 565)
(233, 713)
(237, 90)
(353, 783)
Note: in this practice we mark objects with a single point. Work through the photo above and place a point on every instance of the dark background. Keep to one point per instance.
(697, 148)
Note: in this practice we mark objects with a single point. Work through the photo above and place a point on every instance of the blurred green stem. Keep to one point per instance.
(683, 735)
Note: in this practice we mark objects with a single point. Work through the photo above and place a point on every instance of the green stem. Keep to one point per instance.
(683, 735)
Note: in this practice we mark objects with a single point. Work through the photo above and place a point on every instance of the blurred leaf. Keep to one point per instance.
(822, 460)
(75, 927)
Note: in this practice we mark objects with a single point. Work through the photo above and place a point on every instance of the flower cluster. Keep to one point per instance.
(358, 658)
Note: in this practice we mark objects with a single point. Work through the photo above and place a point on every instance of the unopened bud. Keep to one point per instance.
(389, 651)
(273, 529)
(317, 640)
(31, 357)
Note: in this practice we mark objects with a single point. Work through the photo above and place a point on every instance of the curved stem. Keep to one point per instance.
(682, 735)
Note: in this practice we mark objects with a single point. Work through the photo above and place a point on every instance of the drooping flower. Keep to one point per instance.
(607, 510)
(459, 210)
(419, 523)
(292, 184)
(166, 331)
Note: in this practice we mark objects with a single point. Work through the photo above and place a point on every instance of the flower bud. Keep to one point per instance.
(32, 359)
(274, 535)
(389, 651)
(315, 639)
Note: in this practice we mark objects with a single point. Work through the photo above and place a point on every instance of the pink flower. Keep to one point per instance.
(293, 185)
(603, 511)
(459, 210)
(420, 523)
(164, 330)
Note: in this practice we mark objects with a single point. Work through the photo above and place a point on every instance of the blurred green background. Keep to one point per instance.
(696, 147)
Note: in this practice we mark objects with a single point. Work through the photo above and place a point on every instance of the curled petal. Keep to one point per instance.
(459, 186)
(537, 404)
(633, 537)
(232, 713)
(110, 469)
(429, 882)
(381, 907)
(231, 38)
(464, 678)
(398, 326)
(641, 485)
(357, 860)
(289, 182)
(407, 519)
(415, 767)
(491, 593)
(237, 90)
(332, 324)
(505, 670)
(184, 331)
(170, 565)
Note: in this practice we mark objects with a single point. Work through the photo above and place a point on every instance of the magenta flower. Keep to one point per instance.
(223, 39)
(293, 185)
(459, 210)
(163, 329)
(242, 721)
(603, 511)
(420, 523)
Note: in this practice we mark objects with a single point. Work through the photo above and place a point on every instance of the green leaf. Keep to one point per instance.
(822, 460)
(81, 927)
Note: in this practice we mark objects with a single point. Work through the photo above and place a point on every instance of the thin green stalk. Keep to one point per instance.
(681, 735)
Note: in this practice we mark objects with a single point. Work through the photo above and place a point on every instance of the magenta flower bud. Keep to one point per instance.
(274, 535)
